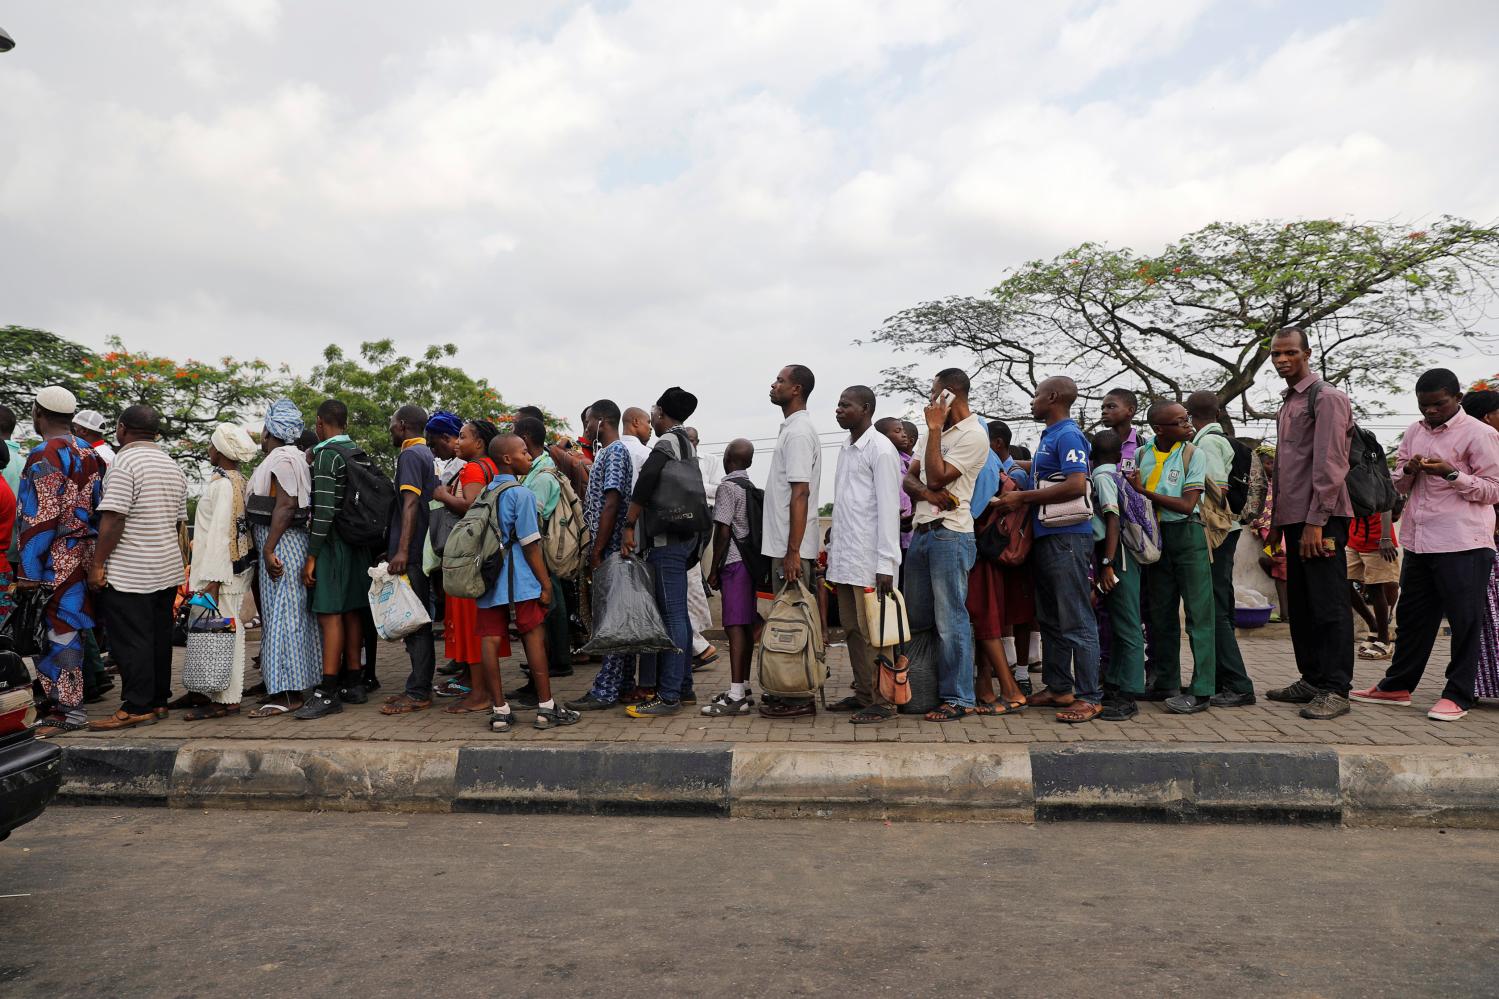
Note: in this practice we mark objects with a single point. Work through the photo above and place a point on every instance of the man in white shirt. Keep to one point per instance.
(864, 553)
(88, 426)
(941, 479)
(635, 434)
(788, 530)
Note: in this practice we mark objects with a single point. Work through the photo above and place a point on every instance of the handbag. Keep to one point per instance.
(894, 678)
(209, 664)
(258, 509)
(27, 625)
(893, 631)
(1067, 513)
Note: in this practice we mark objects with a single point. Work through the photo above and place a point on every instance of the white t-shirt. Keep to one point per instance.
(797, 458)
(638, 453)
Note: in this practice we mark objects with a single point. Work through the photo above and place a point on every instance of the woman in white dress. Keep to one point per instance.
(223, 562)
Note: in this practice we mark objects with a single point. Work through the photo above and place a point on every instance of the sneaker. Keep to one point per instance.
(1187, 704)
(555, 716)
(689, 697)
(318, 703)
(1299, 692)
(353, 694)
(722, 704)
(1154, 694)
(654, 708)
(525, 696)
(1326, 706)
(1121, 708)
(590, 703)
(452, 688)
(1399, 698)
(370, 684)
(1446, 710)
(1232, 699)
(453, 668)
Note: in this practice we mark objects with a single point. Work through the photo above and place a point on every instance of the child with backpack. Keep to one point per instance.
(521, 592)
(739, 570)
(1119, 511)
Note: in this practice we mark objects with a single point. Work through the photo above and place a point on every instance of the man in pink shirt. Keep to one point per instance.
(1311, 511)
(1448, 468)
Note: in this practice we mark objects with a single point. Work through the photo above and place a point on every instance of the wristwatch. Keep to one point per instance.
(1451, 476)
(1105, 561)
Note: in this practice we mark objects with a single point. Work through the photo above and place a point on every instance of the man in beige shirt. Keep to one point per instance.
(946, 463)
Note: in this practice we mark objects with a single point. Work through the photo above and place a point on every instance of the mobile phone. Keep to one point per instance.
(1127, 465)
(946, 397)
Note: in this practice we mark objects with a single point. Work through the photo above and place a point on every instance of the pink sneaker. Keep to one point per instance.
(1446, 710)
(1399, 698)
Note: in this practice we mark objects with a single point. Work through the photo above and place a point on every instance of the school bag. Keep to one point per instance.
(1005, 538)
(475, 552)
(791, 653)
(755, 560)
(1370, 488)
(369, 497)
(679, 507)
(565, 539)
(1138, 529)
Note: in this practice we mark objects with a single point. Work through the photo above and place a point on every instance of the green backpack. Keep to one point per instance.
(475, 552)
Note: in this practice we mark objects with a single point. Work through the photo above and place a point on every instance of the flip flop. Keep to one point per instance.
(457, 708)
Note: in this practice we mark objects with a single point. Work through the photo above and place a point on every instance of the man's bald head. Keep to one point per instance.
(637, 423)
(739, 455)
(1060, 386)
(1053, 399)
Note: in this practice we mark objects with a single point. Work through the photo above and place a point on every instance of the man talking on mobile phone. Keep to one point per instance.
(1312, 511)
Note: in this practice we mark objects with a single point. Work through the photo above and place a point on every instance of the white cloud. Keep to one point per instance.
(603, 200)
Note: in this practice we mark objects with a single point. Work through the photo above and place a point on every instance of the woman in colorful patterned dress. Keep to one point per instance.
(291, 658)
(60, 487)
(1484, 405)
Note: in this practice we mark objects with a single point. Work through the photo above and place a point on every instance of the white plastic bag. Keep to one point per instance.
(396, 608)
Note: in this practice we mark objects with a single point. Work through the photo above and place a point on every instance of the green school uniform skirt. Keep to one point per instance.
(342, 582)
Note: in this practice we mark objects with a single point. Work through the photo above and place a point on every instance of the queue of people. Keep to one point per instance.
(1102, 544)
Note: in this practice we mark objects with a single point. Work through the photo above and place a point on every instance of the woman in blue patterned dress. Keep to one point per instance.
(291, 658)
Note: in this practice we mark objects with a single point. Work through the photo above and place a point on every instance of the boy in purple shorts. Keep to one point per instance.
(732, 578)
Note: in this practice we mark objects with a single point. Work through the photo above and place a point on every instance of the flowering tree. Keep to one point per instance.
(1378, 300)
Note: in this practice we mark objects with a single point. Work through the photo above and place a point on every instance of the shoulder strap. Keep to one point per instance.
(1311, 399)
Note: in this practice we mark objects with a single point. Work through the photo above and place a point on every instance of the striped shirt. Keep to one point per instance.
(146, 487)
(330, 472)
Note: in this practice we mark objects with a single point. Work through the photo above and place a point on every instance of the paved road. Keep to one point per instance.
(165, 903)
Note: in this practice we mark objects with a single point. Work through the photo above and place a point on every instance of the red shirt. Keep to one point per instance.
(7, 519)
(1364, 533)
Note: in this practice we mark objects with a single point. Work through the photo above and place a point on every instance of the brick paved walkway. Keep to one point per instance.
(1267, 652)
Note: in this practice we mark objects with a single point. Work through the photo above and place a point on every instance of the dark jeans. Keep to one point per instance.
(419, 644)
(672, 670)
(1450, 584)
(140, 635)
(1321, 617)
(1062, 564)
(558, 635)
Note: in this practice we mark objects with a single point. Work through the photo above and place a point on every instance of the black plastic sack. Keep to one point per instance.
(27, 626)
(625, 617)
(922, 652)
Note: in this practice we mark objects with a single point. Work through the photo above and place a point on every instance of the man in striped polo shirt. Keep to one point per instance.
(138, 564)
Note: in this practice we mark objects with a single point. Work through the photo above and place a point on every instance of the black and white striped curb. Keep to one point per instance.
(1104, 781)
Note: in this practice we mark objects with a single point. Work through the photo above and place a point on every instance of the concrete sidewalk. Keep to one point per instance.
(1262, 763)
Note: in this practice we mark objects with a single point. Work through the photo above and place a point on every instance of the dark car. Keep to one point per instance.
(30, 771)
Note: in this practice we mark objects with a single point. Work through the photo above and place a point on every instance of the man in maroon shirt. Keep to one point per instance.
(1312, 511)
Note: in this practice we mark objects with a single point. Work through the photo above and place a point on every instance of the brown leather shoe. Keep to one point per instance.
(1046, 698)
(121, 719)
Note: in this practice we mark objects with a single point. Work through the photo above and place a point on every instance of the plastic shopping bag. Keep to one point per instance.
(398, 611)
(625, 617)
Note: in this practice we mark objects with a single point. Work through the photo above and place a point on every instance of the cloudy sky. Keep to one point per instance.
(609, 198)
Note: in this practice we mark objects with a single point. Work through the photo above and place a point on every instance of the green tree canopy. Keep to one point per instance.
(1379, 301)
(379, 381)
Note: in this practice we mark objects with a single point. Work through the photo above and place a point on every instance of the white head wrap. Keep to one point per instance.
(233, 442)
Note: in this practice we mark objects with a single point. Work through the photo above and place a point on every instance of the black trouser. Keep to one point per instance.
(419, 644)
(1450, 584)
(558, 635)
(140, 635)
(371, 640)
(1321, 617)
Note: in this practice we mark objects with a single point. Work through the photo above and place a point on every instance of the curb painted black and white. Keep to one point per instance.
(1096, 781)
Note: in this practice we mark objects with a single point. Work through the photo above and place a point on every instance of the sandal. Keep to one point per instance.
(215, 710)
(458, 708)
(270, 709)
(1079, 712)
(946, 713)
(849, 703)
(400, 704)
(872, 715)
(501, 722)
(557, 715)
(1375, 650)
(49, 727)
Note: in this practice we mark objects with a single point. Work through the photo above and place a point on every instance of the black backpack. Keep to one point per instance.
(1238, 476)
(756, 561)
(679, 507)
(369, 497)
(1370, 488)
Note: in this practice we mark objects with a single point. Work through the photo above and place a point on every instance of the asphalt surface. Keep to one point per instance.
(167, 903)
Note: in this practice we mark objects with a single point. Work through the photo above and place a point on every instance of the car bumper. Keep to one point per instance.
(30, 774)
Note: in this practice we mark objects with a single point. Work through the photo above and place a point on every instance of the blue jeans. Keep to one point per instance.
(1064, 608)
(672, 670)
(936, 592)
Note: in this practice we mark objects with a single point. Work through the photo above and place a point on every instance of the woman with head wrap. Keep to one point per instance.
(460, 616)
(280, 496)
(223, 558)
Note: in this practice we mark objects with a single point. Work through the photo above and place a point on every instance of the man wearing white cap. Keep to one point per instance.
(60, 488)
(88, 426)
